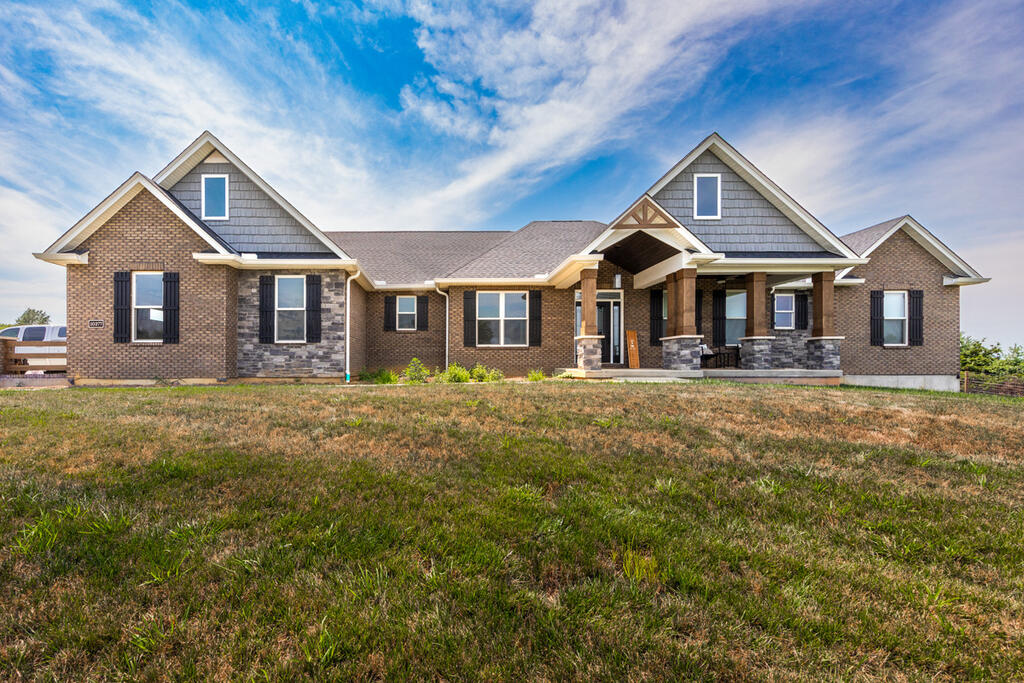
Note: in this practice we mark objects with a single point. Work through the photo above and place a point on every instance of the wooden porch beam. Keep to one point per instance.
(757, 304)
(588, 302)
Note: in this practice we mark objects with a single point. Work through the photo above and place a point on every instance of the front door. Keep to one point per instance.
(609, 324)
(604, 328)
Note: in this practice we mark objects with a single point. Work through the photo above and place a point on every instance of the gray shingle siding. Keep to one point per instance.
(257, 223)
(749, 221)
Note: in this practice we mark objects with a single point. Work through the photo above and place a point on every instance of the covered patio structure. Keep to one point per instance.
(714, 304)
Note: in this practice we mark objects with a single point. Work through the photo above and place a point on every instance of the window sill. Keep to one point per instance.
(707, 218)
(142, 342)
(896, 346)
(502, 346)
(291, 343)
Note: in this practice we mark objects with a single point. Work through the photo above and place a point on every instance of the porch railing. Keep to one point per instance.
(21, 357)
(721, 357)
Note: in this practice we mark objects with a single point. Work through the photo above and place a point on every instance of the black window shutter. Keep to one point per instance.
(698, 311)
(771, 311)
(422, 322)
(915, 324)
(266, 309)
(657, 321)
(877, 320)
(469, 317)
(170, 308)
(801, 311)
(122, 307)
(535, 319)
(718, 318)
(313, 296)
(389, 313)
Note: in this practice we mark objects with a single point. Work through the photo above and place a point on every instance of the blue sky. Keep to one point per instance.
(429, 114)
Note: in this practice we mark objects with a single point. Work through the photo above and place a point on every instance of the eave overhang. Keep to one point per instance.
(63, 258)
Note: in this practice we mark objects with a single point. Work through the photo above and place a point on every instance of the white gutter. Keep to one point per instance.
(250, 262)
(63, 258)
(348, 319)
(446, 323)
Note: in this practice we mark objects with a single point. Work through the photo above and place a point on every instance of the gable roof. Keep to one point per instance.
(537, 248)
(868, 239)
(113, 203)
(207, 143)
(396, 257)
(764, 185)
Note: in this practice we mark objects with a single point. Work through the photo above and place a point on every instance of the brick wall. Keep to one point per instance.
(394, 349)
(324, 359)
(900, 263)
(556, 349)
(357, 331)
(145, 235)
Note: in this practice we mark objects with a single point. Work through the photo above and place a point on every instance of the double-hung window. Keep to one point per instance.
(707, 196)
(735, 315)
(147, 306)
(785, 311)
(214, 192)
(406, 312)
(290, 309)
(894, 326)
(501, 318)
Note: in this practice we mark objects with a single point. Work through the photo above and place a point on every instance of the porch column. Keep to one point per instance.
(671, 325)
(823, 344)
(757, 305)
(686, 293)
(588, 302)
(756, 346)
(588, 344)
(824, 304)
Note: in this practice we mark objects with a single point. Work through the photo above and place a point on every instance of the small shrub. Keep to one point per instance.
(454, 374)
(535, 375)
(478, 373)
(379, 376)
(416, 372)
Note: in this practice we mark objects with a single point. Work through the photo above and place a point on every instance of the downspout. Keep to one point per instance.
(446, 318)
(348, 319)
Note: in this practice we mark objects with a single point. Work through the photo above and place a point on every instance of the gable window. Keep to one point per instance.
(290, 309)
(895, 319)
(501, 318)
(406, 312)
(785, 311)
(147, 306)
(707, 196)
(215, 197)
(735, 315)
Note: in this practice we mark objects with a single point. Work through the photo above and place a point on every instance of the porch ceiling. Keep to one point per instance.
(639, 251)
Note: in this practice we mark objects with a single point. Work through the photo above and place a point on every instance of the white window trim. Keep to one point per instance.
(727, 318)
(718, 215)
(277, 309)
(906, 317)
(134, 306)
(791, 311)
(227, 196)
(501, 317)
(399, 314)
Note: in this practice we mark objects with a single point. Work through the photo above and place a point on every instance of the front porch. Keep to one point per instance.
(709, 314)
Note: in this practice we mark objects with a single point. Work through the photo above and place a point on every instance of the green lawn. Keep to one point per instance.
(543, 531)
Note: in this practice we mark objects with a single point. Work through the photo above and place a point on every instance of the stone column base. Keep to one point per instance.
(756, 353)
(823, 353)
(681, 352)
(588, 352)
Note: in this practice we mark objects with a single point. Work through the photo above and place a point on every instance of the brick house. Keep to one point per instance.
(205, 271)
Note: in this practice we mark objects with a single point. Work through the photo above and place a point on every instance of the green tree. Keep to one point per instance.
(33, 316)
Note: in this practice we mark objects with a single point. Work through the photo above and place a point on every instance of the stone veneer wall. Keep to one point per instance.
(789, 349)
(291, 360)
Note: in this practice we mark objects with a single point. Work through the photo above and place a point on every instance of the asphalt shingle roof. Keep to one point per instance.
(536, 248)
(861, 240)
(413, 256)
(401, 257)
